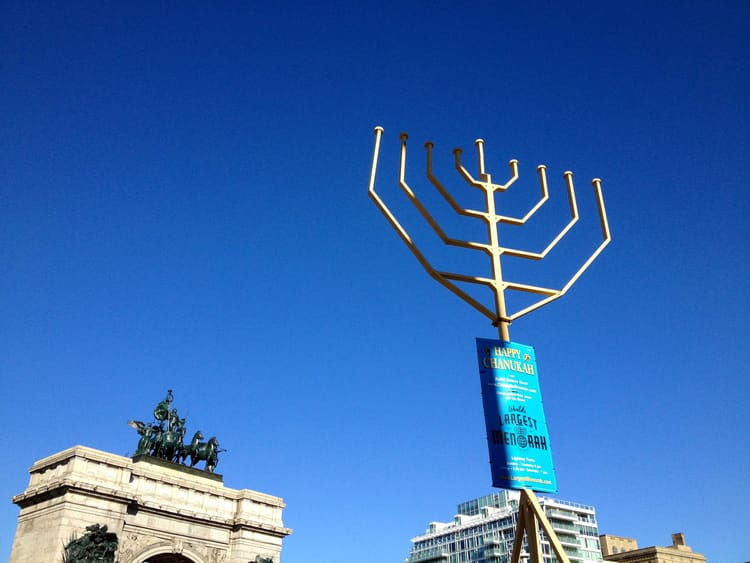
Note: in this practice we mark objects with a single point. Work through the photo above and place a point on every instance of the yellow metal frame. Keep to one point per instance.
(499, 317)
(530, 514)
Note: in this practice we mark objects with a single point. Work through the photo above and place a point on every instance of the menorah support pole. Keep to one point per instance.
(503, 328)
(530, 517)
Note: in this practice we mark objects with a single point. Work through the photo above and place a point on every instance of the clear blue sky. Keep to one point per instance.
(183, 205)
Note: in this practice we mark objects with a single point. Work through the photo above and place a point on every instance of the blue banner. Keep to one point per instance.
(520, 455)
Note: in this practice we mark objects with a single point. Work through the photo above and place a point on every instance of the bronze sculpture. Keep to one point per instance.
(95, 546)
(166, 442)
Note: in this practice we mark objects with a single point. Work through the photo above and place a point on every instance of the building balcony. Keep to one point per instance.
(561, 515)
(564, 527)
(576, 554)
(429, 558)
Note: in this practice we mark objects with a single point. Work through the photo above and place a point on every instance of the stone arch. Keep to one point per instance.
(155, 508)
(167, 552)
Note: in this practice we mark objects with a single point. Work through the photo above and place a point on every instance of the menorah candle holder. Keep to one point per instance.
(503, 364)
(500, 317)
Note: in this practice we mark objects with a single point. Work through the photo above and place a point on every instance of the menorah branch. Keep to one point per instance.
(406, 238)
(423, 210)
(496, 283)
(542, 172)
(446, 195)
(573, 219)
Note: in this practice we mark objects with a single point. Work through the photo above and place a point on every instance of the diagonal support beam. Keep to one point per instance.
(530, 517)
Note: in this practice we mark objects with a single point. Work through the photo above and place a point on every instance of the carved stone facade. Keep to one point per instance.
(154, 507)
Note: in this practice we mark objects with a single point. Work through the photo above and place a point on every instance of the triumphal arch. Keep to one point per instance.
(86, 505)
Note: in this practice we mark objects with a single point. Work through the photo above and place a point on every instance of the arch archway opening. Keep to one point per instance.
(168, 558)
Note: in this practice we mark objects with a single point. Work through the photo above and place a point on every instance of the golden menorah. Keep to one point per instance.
(500, 317)
(531, 515)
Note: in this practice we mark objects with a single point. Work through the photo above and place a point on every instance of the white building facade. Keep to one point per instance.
(483, 531)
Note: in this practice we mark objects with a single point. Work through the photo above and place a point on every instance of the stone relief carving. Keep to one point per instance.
(132, 545)
(217, 555)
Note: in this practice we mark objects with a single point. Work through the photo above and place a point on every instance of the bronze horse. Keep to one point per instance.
(168, 444)
(187, 451)
(208, 451)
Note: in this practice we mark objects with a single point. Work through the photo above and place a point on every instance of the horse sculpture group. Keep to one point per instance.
(167, 442)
